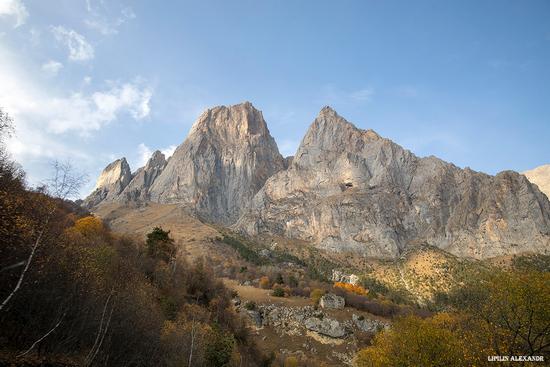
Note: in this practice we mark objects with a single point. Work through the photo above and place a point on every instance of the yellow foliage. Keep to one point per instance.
(414, 342)
(291, 361)
(357, 289)
(264, 282)
(89, 225)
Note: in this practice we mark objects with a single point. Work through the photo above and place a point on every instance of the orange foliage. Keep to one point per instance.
(264, 282)
(357, 289)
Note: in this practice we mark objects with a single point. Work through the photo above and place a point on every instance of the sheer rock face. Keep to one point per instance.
(138, 188)
(540, 176)
(226, 159)
(351, 190)
(112, 181)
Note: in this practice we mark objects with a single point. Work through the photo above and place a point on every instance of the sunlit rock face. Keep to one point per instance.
(225, 160)
(349, 189)
(112, 181)
(138, 188)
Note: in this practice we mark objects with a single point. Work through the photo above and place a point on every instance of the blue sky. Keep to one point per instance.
(467, 81)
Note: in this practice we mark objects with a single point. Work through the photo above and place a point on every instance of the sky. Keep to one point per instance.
(93, 80)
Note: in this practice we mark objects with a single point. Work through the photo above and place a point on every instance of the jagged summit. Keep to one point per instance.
(114, 178)
(240, 120)
(225, 160)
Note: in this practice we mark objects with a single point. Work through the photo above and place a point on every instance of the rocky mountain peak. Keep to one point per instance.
(157, 160)
(225, 160)
(112, 181)
(239, 120)
(115, 172)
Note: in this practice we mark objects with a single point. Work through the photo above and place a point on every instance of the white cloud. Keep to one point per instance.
(144, 154)
(84, 113)
(362, 95)
(52, 67)
(333, 95)
(168, 151)
(106, 26)
(16, 9)
(41, 116)
(79, 48)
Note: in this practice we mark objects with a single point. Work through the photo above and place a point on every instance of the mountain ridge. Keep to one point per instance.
(345, 189)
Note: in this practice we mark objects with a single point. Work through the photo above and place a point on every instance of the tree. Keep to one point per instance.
(513, 307)
(414, 342)
(160, 245)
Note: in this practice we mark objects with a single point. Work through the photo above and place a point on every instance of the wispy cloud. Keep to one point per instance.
(15, 9)
(52, 67)
(78, 46)
(100, 21)
(84, 113)
(331, 94)
(42, 116)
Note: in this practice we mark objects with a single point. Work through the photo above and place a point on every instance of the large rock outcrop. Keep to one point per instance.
(225, 160)
(138, 188)
(110, 184)
(349, 189)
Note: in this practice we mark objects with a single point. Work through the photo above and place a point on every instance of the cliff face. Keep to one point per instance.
(138, 188)
(114, 178)
(225, 160)
(351, 190)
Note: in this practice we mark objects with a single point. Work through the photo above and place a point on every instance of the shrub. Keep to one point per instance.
(250, 305)
(278, 292)
(316, 295)
(357, 289)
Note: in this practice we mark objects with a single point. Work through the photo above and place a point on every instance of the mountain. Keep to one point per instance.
(110, 184)
(540, 176)
(349, 189)
(226, 158)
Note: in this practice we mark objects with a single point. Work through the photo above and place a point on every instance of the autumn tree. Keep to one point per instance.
(160, 245)
(414, 342)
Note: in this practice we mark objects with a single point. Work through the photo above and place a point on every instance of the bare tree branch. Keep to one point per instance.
(43, 337)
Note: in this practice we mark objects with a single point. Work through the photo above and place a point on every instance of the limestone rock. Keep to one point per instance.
(540, 176)
(138, 188)
(330, 300)
(349, 189)
(326, 326)
(225, 160)
(368, 325)
(112, 181)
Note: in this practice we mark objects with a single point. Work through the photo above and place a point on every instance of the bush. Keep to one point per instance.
(316, 295)
(278, 292)
(265, 283)
(250, 305)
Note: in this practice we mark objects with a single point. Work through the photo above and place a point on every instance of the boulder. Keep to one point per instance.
(330, 300)
(326, 326)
